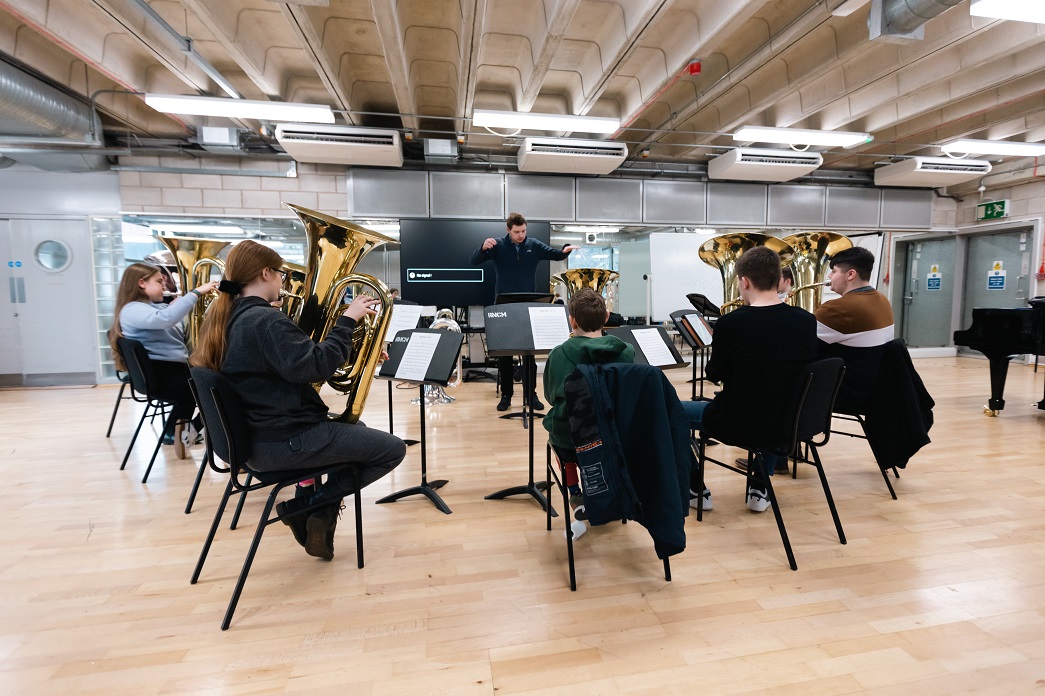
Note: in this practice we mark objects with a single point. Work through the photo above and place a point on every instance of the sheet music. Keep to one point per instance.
(653, 347)
(404, 317)
(549, 326)
(701, 329)
(417, 357)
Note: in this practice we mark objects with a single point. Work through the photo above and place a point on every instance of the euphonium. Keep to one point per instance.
(196, 259)
(433, 393)
(723, 251)
(315, 291)
(813, 252)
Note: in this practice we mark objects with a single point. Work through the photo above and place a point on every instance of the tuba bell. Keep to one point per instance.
(813, 252)
(722, 252)
(574, 279)
(314, 293)
(196, 259)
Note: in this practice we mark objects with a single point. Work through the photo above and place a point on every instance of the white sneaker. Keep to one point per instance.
(190, 436)
(704, 500)
(578, 528)
(757, 500)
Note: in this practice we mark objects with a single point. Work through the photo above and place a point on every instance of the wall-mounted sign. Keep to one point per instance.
(992, 210)
(996, 280)
(934, 279)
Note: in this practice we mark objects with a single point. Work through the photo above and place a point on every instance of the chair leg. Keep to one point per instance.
(119, 398)
(196, 483)
(548, 477)
(888, 483)
(134, 438)
(667, 569)
(239, 505)
(827, 492)
(213, 530)
(567, 515)
(698, 448)
(776, 512)
(359, 522)
(159, 441)
(262, 523)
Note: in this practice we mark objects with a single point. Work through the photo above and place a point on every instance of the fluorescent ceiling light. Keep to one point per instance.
(800, 136)
(1018, 10)
(587, 229)
(383, 227)
(848, 7)
(993, 147)
(240, 108)
(546, 122)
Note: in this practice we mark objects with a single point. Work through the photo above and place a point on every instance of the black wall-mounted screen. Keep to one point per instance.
(434, 255)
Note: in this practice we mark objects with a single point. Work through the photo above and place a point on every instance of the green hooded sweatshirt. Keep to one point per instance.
(578, 350)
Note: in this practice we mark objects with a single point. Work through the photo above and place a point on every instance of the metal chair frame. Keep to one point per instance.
(142, 379)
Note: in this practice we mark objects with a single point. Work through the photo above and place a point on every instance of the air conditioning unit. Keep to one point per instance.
(570, 156)
(350, 145)
(755, 164)
(930, 172)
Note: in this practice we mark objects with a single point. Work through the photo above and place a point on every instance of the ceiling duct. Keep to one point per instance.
(930, 172)
(570, 156)
(348, 145)
(440, 151)
(220, 141)
(33, 114)
(757, 164)
(904, 20)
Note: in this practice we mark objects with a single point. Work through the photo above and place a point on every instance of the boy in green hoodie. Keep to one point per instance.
(586, 346)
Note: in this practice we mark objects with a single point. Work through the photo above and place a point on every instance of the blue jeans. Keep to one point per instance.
(695, 412)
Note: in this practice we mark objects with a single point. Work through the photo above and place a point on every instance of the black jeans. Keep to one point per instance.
(506, 380)
(173, 386)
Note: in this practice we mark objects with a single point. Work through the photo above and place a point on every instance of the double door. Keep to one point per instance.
(47, 311)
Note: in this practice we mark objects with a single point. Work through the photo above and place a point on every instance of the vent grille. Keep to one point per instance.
(748, 158)
(594, 151)
(341, 138)
(952, 167)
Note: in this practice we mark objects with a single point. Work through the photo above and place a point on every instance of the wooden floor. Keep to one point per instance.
(941, 591)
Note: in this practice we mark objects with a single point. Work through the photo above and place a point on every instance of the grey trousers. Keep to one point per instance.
(373, 452)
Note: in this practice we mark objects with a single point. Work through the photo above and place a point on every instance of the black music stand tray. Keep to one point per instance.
(440, 367)
(683, 320)
(628, 335)
(509, 332)
(512, 298)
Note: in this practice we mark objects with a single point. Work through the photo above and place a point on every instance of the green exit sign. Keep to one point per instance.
(992, 210)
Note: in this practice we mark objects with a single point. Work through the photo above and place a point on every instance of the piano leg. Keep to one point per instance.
(999, 371)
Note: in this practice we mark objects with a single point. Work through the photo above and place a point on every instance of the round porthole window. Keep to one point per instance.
(53, 255)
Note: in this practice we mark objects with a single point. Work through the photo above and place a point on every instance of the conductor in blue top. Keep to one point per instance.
(515, 257)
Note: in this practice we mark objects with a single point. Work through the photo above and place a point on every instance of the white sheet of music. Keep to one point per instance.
(549, 326)
(404, 318)
(702, 330)
(417, 356)
(653, 347)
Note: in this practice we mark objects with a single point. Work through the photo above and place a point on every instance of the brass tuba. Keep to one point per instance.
(813, 252)
(722, 252)
(314, 293)
(196, 259)
(575, 279)
(433, 393)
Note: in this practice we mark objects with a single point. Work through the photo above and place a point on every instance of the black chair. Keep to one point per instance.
(125, 380)
(810, 405)
(558, 475)
(143, 382)
(208, 461)
(896, 417)
(229, 439)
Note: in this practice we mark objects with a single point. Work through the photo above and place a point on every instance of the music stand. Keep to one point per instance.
(526, 329)
(697, 334)
(422, 356)
(652, 345)
(514, 298)
(405, 315)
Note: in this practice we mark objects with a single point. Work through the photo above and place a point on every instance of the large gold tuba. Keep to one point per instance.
(722, 252)
(196, 259)
(575, 279)
(315, 291)
(813, 252)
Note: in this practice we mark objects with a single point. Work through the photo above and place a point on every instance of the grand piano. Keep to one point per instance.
(1002, 334)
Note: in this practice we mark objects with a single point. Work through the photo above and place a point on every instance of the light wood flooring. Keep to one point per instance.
(941, 591)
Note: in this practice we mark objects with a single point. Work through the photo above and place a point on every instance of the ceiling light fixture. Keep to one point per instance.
(383, 227)
(800, 136)
(848, 7)
(1017, 10)
(590, 229)
(240, 108)
(167, 229)
(993, 147)
(546, 122)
